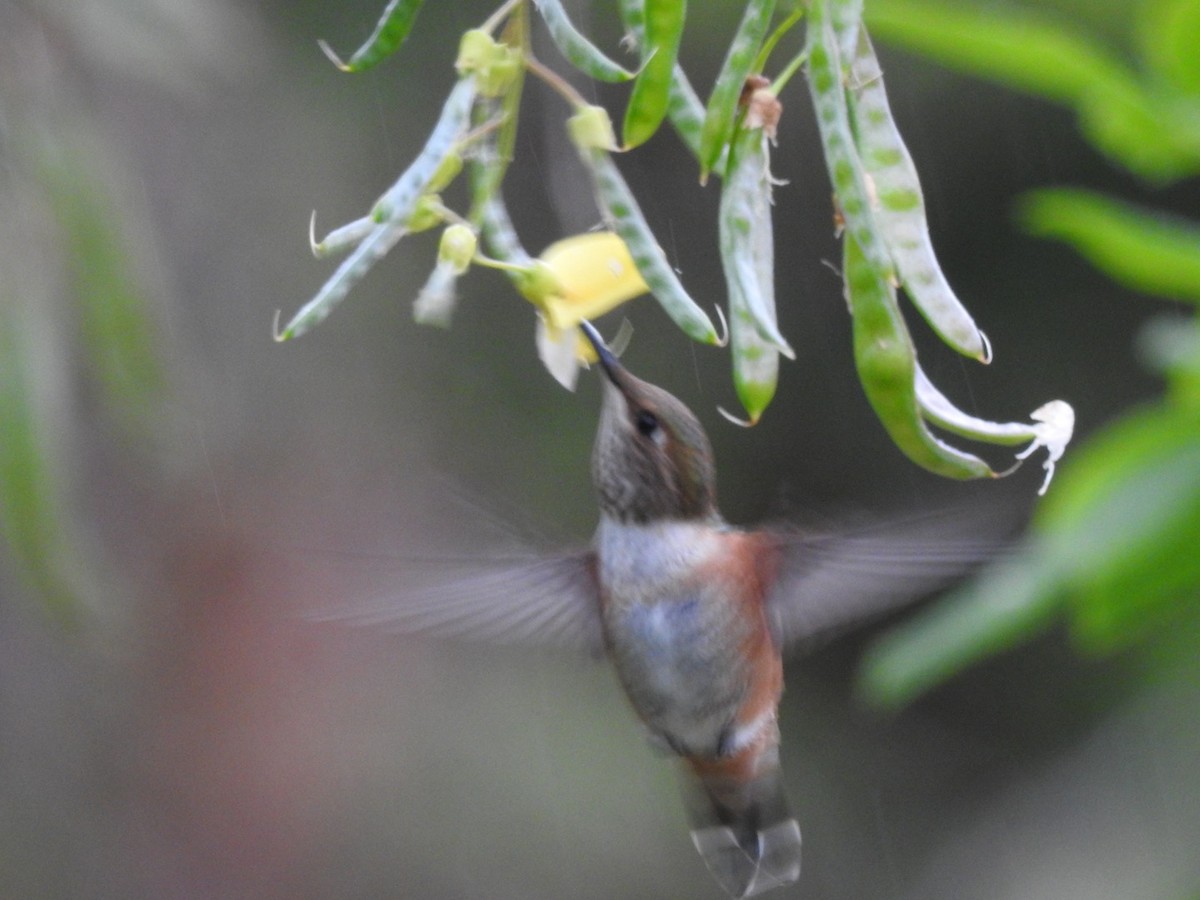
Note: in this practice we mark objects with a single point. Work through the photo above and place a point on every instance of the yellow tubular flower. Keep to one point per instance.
(591, 274)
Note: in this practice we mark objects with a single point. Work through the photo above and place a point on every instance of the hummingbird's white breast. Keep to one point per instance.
(675, 631)
(638, 559)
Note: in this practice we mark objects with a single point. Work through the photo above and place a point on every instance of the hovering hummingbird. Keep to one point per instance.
(694, 614)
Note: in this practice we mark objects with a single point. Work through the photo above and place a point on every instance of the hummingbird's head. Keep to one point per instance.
(652, 460)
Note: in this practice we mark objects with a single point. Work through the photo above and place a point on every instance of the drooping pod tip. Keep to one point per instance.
(313, 246)
(332, 56)
(785, 348)
(721, 337)
(736, 420)
(986, 354)
(279, 336)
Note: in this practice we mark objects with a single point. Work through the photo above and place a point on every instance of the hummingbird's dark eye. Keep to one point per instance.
(647, 422)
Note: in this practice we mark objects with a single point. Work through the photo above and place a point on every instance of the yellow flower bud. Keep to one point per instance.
(595, 274)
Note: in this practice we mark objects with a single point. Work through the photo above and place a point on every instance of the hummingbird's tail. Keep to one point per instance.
(741, 824)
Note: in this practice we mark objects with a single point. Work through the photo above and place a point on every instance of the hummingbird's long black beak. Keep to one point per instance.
(612, 367)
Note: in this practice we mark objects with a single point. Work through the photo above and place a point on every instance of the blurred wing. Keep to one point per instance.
(543, 600)
(830, 582)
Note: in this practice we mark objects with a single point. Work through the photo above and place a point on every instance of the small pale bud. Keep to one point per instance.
(539, 283)
(475, 51)
(427, 215)
(591, 129)
(457, 247)
(497, 76)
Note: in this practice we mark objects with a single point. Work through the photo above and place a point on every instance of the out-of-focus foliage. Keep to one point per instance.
(29, 503)
(75, 267)
(1143, 250)
(1147, 120)
(1113, 549)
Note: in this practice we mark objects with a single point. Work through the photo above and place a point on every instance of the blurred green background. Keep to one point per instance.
(177, 487)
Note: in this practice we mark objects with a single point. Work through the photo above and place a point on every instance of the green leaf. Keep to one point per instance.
(1116, 539)
(1031, 52)
(1169, 35)
(1009, 604)
(1172, 346)
(1145, 132)
(116, 325)
(29, 491)
(1149, 252)
(1123, 528)
(1016, 47)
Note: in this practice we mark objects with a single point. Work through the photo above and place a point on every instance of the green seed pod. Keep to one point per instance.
(499, 233)
(826, 82)
(746, 238)
(755, 361)
(648, 103)
(846, 18)
(887, 366)
(899, 207)
(373, 248)
(448, 169)
(488, 212)
(392, 212)
(623, 215)
(398, 203)
(390, 32)
(340, 238)
(684, 108)
(748, 258)
(578, 50)
(720, 116)
(686, 113)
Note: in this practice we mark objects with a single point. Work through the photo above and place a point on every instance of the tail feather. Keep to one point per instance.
(743, 830)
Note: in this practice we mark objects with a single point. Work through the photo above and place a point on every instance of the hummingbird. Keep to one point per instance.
(694, 614)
